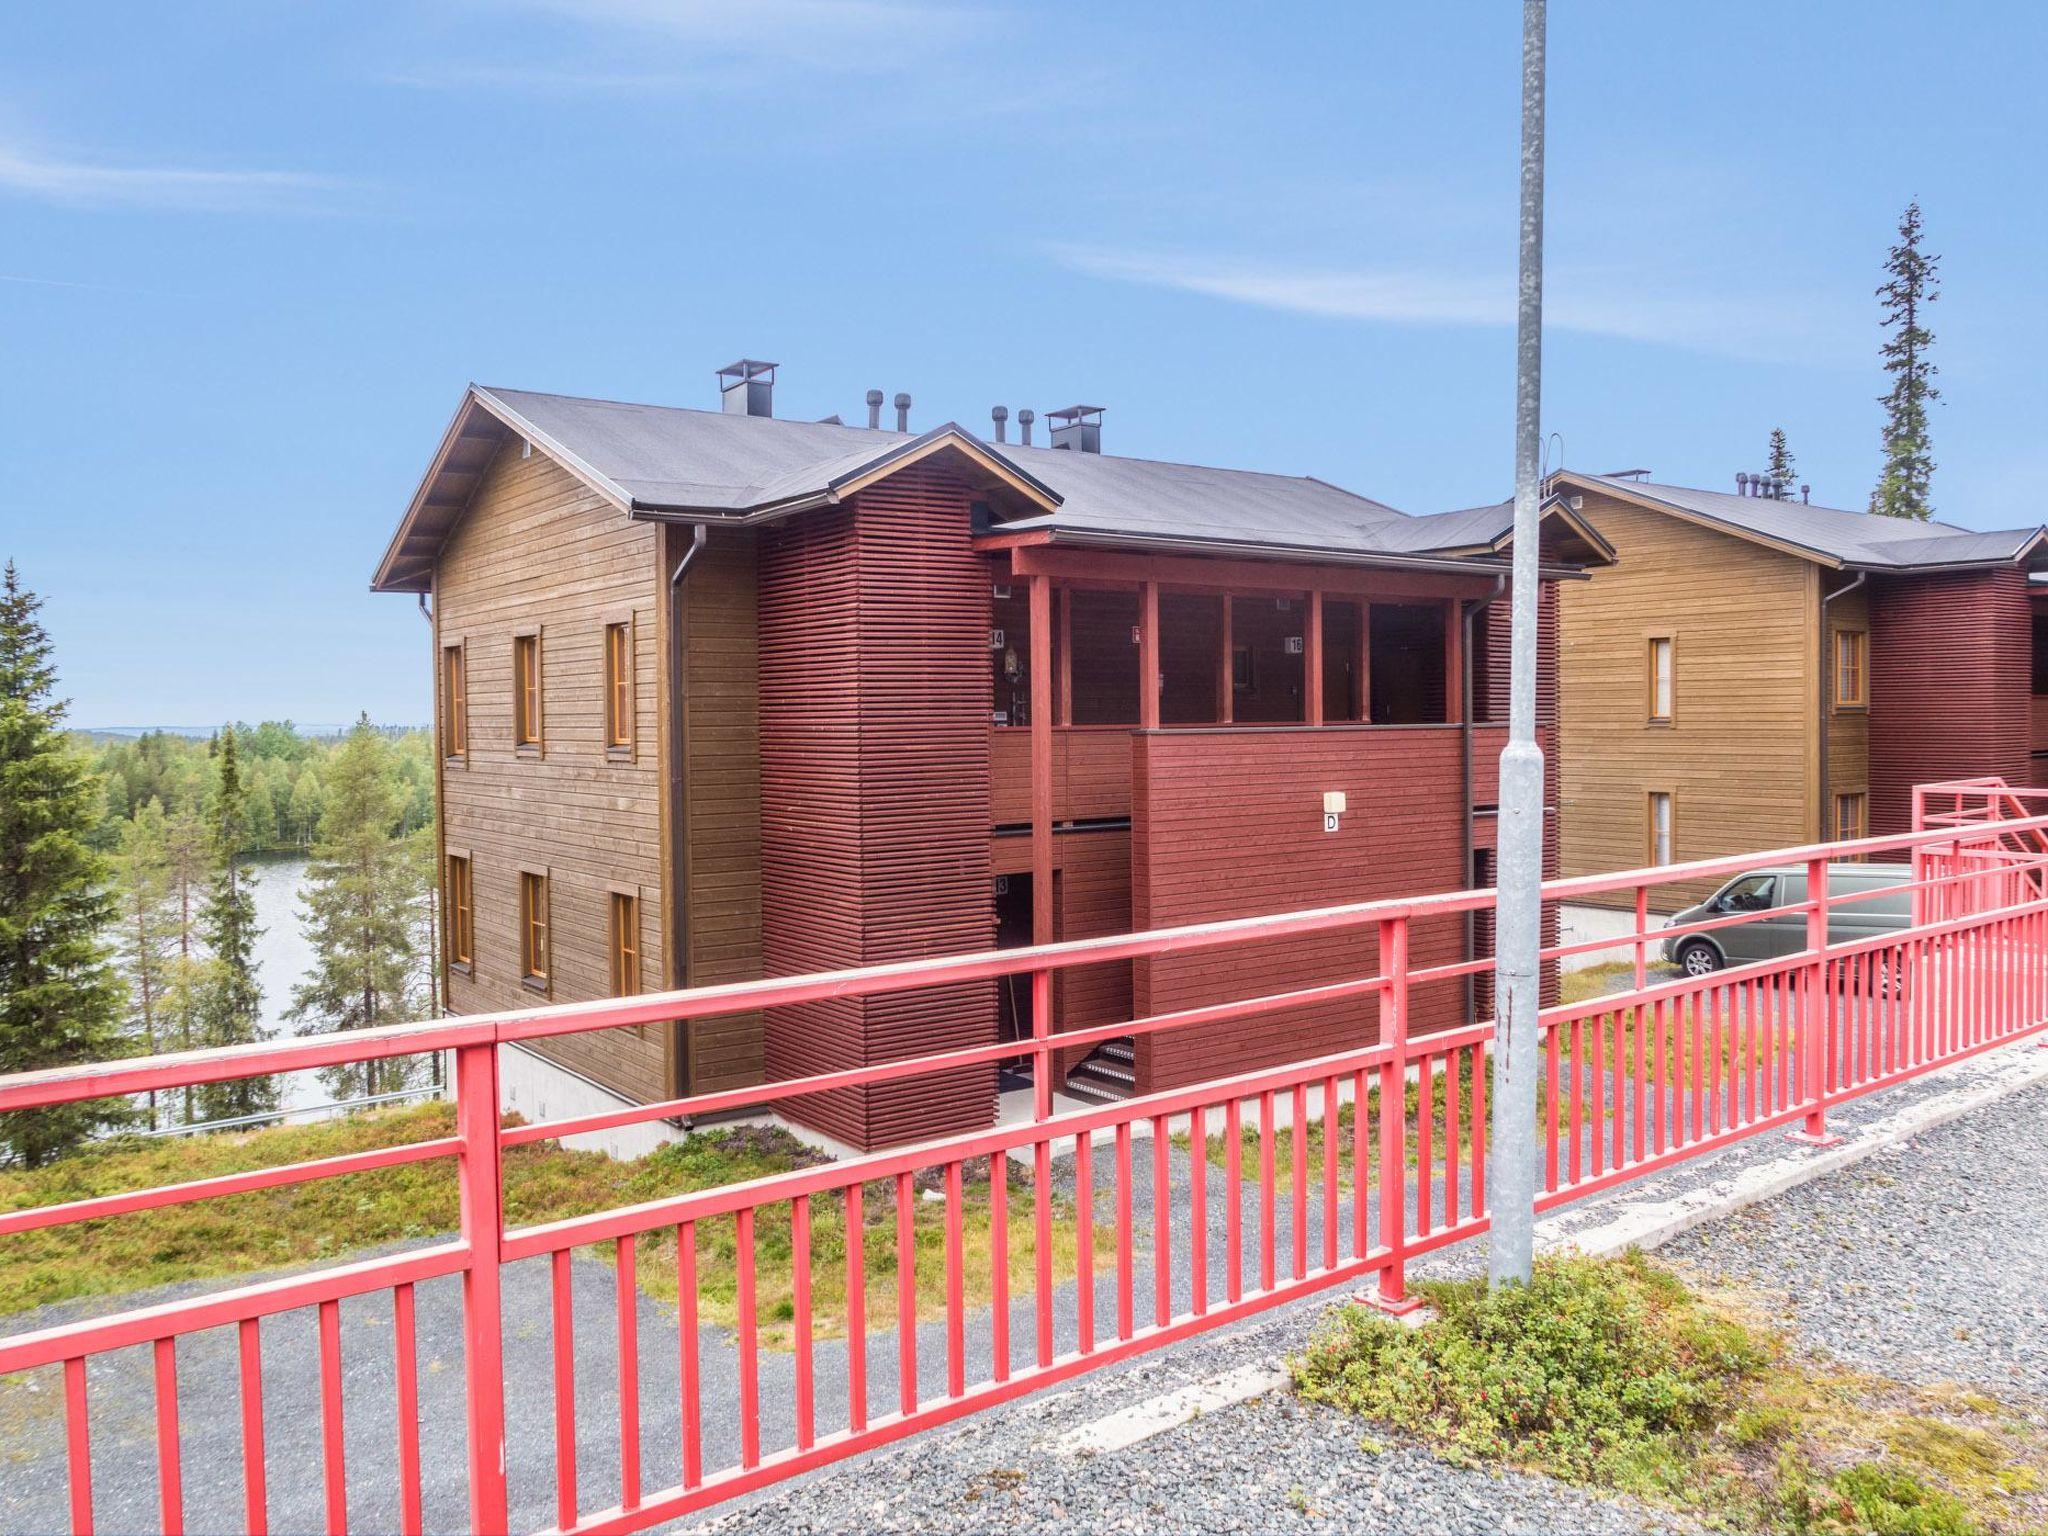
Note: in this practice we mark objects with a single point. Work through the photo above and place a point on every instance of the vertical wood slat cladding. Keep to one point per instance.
(1740, 754)
(722, 795)
(1950, 684)
(1230, 824)
(537, 547)
(875, 699)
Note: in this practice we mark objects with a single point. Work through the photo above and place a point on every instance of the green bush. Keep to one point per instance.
(1872, 1498)
(1598, 1371)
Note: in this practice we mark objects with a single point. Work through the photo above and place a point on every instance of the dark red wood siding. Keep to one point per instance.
(875, 699)
(1950, 685)
(1230, 824)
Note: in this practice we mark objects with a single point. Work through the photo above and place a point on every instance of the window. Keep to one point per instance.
(1852, 816)
(454, 703)
(1752, 893)
(1659, 838)
(625, 944)
(533, 927)
(1851, 681)
(461, 912)
(618, 688)
(526, 696)
(1659, 677)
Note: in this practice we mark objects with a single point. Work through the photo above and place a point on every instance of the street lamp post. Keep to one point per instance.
(1519, 925)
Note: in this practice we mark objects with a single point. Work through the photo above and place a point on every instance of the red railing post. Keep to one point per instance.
(1641, 940)
(1816, 1011)
(483, 1220)
(1391, 1295)
(1041, 1043)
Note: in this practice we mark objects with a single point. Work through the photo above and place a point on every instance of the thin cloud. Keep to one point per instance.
(826, 35)
(1744, 327)
(30, 173)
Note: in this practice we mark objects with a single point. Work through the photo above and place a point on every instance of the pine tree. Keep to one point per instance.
(60, 1001)
(148, 943)
(230, 1003)
(1912, 284)
(1781, 466)
(363, 892)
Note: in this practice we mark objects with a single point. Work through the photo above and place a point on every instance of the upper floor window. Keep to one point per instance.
(1659, 670)
(460, 898)
(625, 942)
(533, 927)
(1852, 681)
(454, 702)
(1659, 838)
(526, 692)
(618, 687)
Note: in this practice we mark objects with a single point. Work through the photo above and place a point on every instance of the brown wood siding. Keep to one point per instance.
(875, 699)
(1950, 685)
(1091, 774)
(538, 547)
(1230, 824)
(1741, 753)
(722, 794)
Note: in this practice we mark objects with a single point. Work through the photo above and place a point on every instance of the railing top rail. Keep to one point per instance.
(67, 1084)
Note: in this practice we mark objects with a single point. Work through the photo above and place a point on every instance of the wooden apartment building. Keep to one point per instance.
(1757, 672)
(723, 695)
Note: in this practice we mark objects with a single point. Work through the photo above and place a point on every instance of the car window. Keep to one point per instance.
(1752, 893)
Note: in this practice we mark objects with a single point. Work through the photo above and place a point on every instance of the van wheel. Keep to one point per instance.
(1699, 959)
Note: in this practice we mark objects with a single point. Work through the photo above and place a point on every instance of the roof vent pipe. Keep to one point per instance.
(902, 412)
(1024, 419)
(1001, 417)
(874, 410)
(1806, 493)
(1742, 482)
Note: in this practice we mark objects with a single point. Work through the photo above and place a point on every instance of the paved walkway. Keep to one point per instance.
(1232, 1471)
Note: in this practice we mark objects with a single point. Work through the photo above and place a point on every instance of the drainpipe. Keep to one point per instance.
(1473, 608)
(679, 843)
(1827, 699)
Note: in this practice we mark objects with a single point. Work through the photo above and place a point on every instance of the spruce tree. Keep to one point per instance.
(1912, 283)
(231, 1001)
(362, 897)
(1781, 465)
(60, 1001)
(148, 927)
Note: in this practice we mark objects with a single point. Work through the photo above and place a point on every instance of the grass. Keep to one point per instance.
(1616, 1374)
(329, 1218)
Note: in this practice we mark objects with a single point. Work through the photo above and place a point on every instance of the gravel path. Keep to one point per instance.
(1927, 1262)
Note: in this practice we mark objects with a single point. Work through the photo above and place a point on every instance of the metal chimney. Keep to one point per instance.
(902, 412)
(1078, 427)
(1806, 493)
(1024, 419)
(747, 388)
(874, 410)
(1001, 416)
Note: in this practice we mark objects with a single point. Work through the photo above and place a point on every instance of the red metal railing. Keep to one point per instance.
(1636, 1080)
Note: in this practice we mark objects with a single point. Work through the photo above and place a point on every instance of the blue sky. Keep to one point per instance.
(254, 251)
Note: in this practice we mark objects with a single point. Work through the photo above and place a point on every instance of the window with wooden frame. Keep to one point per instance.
(1659, 659)
(1852, 816)
(454, 702)
(618, 688)
(459, 895)
(533, 928)
(1852, 672)
(1659, 837)
(625, 943)
(526, 691)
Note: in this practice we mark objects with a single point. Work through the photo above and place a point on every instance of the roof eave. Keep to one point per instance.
(1299, 554)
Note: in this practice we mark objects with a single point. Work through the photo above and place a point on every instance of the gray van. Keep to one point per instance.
(1784, 933)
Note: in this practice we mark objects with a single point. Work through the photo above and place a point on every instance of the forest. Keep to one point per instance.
(127, 919)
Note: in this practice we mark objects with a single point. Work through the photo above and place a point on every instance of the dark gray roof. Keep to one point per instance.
(1860, 540)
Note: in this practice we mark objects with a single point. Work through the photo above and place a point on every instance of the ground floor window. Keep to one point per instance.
(461, 912)
(1659, 817)
(533, 926)
(1852, 816)
(625, 942)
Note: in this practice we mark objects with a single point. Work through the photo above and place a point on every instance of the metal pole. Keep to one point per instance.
(1519, 926)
